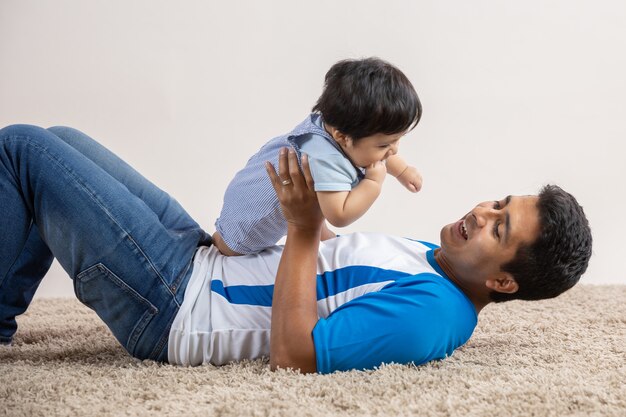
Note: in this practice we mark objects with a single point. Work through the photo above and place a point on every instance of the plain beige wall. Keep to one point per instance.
(515, 95)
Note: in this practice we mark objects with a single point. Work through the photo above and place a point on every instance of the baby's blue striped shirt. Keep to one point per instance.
(251, 218)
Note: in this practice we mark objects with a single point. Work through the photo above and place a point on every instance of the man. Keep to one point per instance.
(529, 247)
(353, 302)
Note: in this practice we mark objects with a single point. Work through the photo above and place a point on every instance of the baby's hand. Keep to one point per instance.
(376, 172)
(411, 179)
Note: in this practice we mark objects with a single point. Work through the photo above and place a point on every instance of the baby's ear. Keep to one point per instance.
(344, 140)
(340, 137)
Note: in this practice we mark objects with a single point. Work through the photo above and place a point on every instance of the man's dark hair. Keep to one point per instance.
(363, 97)
(559, 256)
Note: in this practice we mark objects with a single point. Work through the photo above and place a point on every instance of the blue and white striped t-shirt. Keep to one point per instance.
(251, 218)
(380, 299)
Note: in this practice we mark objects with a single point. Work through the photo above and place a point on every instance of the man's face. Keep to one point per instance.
(477, 246)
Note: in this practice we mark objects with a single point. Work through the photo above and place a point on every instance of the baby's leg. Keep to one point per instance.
(222, 246)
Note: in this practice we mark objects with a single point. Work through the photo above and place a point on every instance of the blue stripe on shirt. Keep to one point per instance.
(256, 295)
(328, 284)
(334, 282)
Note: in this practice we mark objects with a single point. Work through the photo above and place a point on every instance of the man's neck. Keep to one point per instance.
(477, 294)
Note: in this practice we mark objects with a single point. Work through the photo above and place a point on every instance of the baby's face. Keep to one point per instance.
(371, 149)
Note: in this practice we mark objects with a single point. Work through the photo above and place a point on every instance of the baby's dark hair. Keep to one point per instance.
(364, 97)
(559, 256)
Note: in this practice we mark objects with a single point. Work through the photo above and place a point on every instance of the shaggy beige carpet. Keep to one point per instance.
(561, 357)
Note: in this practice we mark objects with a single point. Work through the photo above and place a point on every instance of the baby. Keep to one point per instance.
(351, 140)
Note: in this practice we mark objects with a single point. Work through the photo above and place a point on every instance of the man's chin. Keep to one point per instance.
(444, 235)
(450, 236)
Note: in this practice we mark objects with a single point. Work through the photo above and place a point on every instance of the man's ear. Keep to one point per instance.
(503, 282)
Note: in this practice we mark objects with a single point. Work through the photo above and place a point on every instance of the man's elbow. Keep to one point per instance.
(279, 362)
(296, 356)
(285, 361)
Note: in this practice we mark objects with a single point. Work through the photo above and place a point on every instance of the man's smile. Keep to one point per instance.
(463, 229)
(459, 229)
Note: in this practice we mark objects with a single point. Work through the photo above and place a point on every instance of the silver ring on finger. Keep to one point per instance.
(286, 182)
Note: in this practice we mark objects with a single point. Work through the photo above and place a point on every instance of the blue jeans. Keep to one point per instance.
(127, 245)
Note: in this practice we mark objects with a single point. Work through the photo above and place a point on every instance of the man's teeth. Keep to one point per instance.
(464, 230)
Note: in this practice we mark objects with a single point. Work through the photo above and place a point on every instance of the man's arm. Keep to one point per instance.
(294, 305)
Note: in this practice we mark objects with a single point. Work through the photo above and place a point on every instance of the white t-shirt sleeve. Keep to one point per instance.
(332, 172)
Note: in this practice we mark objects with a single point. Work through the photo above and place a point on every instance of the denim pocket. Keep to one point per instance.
(122, 309)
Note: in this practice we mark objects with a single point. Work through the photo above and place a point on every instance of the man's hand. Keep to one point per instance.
(411, 179)
(295, 191)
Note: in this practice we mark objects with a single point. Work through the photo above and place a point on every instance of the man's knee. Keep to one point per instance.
(21, 131)
(64, 131)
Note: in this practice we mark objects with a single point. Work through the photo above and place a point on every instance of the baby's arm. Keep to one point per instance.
(407, 175)
(341, 208)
